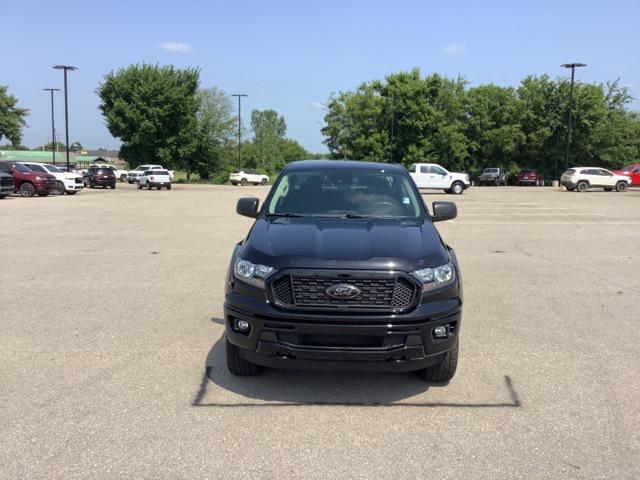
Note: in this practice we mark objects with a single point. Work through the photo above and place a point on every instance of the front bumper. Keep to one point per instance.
(406, 342)
(73, 185)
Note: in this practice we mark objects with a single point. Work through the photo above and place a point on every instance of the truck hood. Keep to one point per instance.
(344, 244)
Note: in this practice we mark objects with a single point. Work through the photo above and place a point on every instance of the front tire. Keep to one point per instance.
(582, 186)
(457, 188)
(59, 190)
(443, 371)
(237, 365)
(621, 186)
(243, 182)
(264, 182)
(27, 189)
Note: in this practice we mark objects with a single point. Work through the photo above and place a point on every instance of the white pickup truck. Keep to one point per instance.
(133, 175)
(65, 181)
(436, 177)
(154, 178)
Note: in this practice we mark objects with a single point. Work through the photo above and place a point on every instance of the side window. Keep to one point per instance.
(604, 173)
(280, 194)
(438, 170)
(412, 168)
(424, 169)
(37, 168)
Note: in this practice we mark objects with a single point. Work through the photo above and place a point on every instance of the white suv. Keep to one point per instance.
(584, 178)
(244, 177)
(154, 177)
(434, 176)
(65, 181)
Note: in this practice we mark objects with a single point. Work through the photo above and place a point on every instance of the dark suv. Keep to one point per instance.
(344, 269)
(99, 177)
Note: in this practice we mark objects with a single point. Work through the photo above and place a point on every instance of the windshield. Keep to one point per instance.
(21, 168)
(490, 170)
(339, 192)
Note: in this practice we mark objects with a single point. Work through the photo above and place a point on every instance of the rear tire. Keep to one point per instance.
(243, 182)
(443, 371)
(582, 186)
(264, 182)
(237, 365)
(621, 186)
(168, 187)
(457, 188)
(123, 178)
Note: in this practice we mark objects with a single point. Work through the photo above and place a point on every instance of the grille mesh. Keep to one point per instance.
(388, 293)
(6, 181)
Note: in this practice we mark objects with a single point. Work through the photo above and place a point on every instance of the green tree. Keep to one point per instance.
(152, 110)
(215, 127)
(269, 129)
(12, 117)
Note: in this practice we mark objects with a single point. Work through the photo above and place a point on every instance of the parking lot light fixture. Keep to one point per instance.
(239, 95)
(66, 68)
(53, 123)
(572, 66)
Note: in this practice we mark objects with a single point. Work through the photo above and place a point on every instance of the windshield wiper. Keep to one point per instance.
(355, 215)
(284, 214)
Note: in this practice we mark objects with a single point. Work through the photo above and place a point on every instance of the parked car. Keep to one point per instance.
(433, 176)
(344, 269)
(244, 177)
(529, 176)
(155, 178)
(28, 183)
(120, 174)
(493, 176)
(631, 171)
(6, 184)
(100, 177)
(70, 183)
(132, 176)
(584, 178)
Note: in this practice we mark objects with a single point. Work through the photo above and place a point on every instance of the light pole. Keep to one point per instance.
(572, 66)
(239, 95)
(53, 123)
(66, 105)
(393, 125)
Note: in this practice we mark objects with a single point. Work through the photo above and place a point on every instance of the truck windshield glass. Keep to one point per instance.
(490, 170)
(340, 192)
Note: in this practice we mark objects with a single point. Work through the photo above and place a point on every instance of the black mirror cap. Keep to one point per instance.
(444, 211)
(248, 207)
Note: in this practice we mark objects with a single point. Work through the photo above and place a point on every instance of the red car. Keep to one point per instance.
(27, 182)
(529, 176)
(632, 171)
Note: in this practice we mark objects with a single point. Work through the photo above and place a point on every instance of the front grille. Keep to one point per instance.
(376, 293)
(341, 341)
(78, 180)
(6, 181)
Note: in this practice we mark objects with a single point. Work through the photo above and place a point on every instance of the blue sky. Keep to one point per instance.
(291, 55)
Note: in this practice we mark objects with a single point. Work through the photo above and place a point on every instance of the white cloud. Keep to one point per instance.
(454, 50)
(179, 47)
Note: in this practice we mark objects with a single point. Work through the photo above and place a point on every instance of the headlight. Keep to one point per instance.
(437, 277)
(251, 273)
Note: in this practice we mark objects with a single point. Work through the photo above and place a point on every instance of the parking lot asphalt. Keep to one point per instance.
(112, 358)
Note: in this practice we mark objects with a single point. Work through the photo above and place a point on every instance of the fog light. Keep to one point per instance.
(441, 332)
(242, 325)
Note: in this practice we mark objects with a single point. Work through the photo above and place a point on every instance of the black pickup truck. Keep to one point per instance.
(344, 269)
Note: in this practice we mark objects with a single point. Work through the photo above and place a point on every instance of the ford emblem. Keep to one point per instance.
(343, 290)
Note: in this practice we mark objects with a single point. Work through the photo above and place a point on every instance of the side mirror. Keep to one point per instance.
(444, 211)
(247, 207)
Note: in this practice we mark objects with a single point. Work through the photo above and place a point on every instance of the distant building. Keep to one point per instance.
(82, 158)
